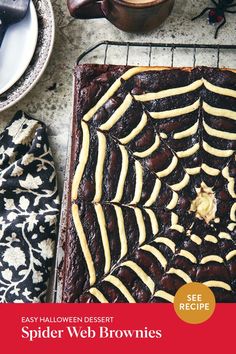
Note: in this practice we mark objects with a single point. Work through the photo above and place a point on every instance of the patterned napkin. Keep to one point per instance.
(29, 210)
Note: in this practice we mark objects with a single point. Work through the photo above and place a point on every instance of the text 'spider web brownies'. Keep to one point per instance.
(152, 196)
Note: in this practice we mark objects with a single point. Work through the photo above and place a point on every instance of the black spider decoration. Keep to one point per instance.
(217, 14)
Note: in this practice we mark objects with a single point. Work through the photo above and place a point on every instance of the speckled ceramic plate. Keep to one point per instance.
(46, 29)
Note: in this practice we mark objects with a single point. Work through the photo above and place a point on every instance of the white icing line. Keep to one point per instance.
(180, 273)
(150, 150)
(120, 286)
(188, 152)
(174, 219)
(232, 212)
(216, 152)
(224, 235)
(155, 193)
(141, 274)
(153, 221)
(210, 238)
(97, 293)
(122, 233)
(196, 239)
(219, 112)
(100, 166)
(84, 244)
(179, 186)
(211, 258)
(140, 69)
(164, 295)
(138, 183)
(217, 284)
(230, 255)
(218, 133)
(163, 135)
(167, 171)
(210, 170)
(117, 114)
(188, 255)
(231, 180)
(141, 225)
(169, 92)
(193, 170)
(166, 241)
(178, 228)
(231, 226)
(157, 254)
(135, 131)
(83, 158)
(176, 112)
(219, 90)
(123, 174)
(173, 202)
(188, 132)
(105, 241)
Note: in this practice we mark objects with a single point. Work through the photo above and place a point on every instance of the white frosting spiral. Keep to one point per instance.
(205, 203)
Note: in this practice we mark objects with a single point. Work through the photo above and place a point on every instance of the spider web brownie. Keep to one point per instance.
(153, 184)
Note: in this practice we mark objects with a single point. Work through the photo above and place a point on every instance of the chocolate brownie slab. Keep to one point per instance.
(152, 190)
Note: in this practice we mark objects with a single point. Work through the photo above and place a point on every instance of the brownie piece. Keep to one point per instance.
(152, 185)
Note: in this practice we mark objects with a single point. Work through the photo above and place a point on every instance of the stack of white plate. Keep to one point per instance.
(25, 52)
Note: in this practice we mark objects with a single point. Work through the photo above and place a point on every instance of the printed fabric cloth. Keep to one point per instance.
(29, 211)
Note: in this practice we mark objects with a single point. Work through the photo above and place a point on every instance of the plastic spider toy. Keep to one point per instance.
(216, 15)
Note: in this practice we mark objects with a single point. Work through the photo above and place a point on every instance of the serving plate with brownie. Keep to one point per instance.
(151, 196)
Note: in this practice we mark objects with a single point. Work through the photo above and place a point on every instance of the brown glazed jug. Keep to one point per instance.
(128, 15)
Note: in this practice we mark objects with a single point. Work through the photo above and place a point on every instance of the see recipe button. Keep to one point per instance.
(194, 303)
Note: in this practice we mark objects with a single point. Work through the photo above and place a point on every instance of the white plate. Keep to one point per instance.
(43, 50)
(17, 49)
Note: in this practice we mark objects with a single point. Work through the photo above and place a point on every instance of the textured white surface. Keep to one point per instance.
(51, 99)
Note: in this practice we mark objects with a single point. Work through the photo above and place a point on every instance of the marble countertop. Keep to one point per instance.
(51, 98)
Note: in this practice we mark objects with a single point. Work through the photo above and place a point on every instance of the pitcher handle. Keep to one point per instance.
(85, 9)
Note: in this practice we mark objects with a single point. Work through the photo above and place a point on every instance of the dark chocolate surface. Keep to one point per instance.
(92, 82)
